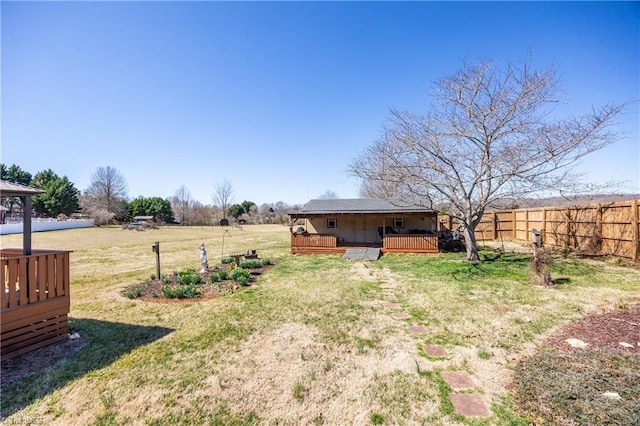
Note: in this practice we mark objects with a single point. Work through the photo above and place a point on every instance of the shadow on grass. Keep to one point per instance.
(504, 257)
(31, 376)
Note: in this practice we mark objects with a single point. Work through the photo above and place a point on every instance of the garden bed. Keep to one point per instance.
(191, 285)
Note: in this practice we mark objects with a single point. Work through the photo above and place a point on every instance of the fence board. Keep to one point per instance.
(611, 229)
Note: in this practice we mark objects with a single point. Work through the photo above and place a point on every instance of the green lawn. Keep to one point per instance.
(310, 343)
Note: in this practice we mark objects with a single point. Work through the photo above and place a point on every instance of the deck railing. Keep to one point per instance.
(313, 240)
(410, 243)
(36, 301)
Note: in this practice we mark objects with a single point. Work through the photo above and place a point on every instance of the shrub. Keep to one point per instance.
(133, 293)
(240, 273)
(214, 278)
(188, 276)
(227, 260)
(188, 291)
(223, 275)
(251, 264)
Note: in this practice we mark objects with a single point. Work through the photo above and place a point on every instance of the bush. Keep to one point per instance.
(188, 276)
(240, 274)
(214, 278)
(227, 260)
(251, 264)
(180, 291)
(223, 275)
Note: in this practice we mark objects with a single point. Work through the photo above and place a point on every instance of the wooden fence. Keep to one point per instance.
(603, 229)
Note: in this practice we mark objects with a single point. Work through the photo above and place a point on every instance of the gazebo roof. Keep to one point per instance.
(10, 189)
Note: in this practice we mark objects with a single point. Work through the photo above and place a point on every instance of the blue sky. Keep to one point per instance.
(278, 98)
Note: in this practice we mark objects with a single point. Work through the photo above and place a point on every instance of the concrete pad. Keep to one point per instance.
(400, 315)
(392, 306)
(458, 380)
(469, 405)
(435, 351)
(418, 329)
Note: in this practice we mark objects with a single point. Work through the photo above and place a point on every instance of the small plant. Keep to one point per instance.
(188, 276)
(188, 291)
(223, 275)
(484, 353)
(251, 264)
(240, 274)
(376, 418)
(133, 293)
(227, 260)
(214, 278)
(299, 391)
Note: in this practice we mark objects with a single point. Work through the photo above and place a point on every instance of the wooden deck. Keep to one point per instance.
(35, 304)
(396, 243)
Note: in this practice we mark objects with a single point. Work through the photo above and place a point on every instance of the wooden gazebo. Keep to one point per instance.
(35, 304)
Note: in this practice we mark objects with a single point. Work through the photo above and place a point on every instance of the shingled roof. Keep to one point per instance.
(358, 206)
(10, 189)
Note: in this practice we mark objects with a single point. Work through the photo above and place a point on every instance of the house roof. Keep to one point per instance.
(358, 206)
(10, 189)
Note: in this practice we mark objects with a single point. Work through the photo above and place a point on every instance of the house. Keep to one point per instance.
(334, 225)
(148, 219)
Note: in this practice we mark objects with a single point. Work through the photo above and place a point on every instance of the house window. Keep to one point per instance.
(332, 223)
(398, 222)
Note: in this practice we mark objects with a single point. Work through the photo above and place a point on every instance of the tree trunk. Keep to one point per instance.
(470, 243)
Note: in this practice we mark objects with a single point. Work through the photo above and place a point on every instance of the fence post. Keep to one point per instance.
(495, 226)
(636, 231)
(544, 224)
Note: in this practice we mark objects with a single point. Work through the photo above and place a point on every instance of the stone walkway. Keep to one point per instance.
(465, 393)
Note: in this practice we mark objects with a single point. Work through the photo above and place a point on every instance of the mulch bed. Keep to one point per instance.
(151, 290)
(602, 332)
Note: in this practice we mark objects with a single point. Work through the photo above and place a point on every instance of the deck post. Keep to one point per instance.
(26, 225)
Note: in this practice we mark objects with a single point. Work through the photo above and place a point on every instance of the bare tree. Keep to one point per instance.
(223, 196)
(107, 191)
(281, 212)
(328, 195)
(491, 135)
(181, 204)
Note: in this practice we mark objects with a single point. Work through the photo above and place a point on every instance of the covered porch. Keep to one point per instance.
(333, 226)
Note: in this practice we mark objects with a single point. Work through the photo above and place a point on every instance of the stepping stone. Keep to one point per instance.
(577, 343)
(612, 395)
(418, 329)
(400, 315)
(458, 380)
(435, 351)
(392, 306)
(469, 405)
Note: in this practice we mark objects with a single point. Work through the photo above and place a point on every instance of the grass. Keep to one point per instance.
(308, 343)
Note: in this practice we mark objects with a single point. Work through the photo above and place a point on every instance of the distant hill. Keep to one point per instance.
(562, 201)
